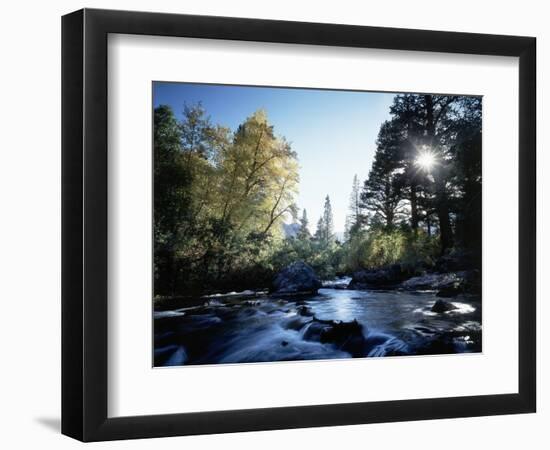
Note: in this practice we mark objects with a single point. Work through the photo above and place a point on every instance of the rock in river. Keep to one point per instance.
(447, 284)
(433, 281)
(387, 277)
(442, 306)
(346, 336)
(303, 310)
(298, 278)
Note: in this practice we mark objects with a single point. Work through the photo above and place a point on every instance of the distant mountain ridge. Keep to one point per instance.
(291, 230)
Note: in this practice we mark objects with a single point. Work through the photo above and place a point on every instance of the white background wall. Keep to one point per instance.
(30, 222)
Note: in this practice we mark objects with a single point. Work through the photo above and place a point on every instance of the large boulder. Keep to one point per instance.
(298, 278)
(387, 277)
(346, 336)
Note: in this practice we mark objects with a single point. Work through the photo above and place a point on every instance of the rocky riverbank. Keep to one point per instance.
(300, 278)
(333, 323)
(384, 312)
(445, 284)
(450, 276)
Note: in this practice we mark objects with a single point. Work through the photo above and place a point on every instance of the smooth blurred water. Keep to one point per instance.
(274, 329)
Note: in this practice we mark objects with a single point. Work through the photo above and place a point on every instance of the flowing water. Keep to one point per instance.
(387, 323)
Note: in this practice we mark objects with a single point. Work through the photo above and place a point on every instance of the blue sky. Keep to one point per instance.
(333, 132)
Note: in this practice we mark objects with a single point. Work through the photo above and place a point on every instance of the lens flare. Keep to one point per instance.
(426, 160)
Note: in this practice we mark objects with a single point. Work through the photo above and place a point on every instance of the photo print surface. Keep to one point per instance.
(299, 224)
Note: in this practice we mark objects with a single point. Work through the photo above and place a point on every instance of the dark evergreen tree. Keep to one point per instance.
(466, 153)
(303, 232)
(382, 194)
(355, 219)
(196, 131)
(425, 123)
(325, 226)
(172, 180)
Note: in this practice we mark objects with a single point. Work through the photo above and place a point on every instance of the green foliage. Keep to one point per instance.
(381, 247)
(325, 226)
(382, 191)
(355, 220)
(385, 248)
(304, 233)
(445, 197)
(220, 198)
(325, 258)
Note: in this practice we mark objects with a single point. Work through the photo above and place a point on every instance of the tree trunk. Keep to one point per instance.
(414, 209)
(442, 210)
(442, 206)
(446, 232)
(389, 219)
(430, 125)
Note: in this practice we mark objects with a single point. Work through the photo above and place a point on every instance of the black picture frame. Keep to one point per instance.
(84, 224)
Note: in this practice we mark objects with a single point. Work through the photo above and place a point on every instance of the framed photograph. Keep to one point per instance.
(273, 224)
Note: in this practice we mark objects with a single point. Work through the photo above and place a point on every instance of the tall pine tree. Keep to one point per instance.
(382, 194)
(354, 218)
(325, 226)
(303, 233)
